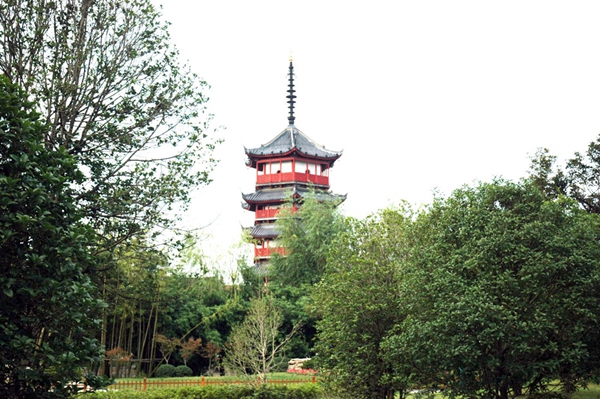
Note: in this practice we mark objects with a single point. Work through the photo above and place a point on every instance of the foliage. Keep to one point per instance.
(167, 345)
(306, 235)
(578, 180)
(189, 348)
(502, 293)
(359, 302)
(97, 382)
(183, 371)
(46, 301)
(544, 174)
(109, 85)
(211, 352)
(582, 172)
(165, 370)
(304, 391)
(254, 345)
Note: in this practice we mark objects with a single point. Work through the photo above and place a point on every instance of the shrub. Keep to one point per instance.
(280, 365)
(183, 371)
(218, 392)
(165, 370)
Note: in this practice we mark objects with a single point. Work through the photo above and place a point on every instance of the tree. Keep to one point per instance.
(167, 345)
(210, 351)
(189, 348)
(255, 344)
(109, 85)
(359, 304)
(306, 235)
(578, 180)
(503, 293)
(46, 301)
(583, 173)
(544, 174)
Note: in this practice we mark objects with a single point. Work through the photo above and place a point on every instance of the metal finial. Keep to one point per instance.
(291, 96)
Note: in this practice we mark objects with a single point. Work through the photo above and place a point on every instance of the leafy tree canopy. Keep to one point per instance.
(502, 292)
(306, 235)
(359, 304)
(578, 180)
(46, 302)
(108, 83)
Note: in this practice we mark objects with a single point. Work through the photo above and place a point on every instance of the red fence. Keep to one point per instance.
(142, 385)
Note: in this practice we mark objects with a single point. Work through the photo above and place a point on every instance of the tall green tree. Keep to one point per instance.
(583, 174)
(546, 176)
(578, 179)
(359, 305)
(46, 301)
(306, 235)
(109, 84)
(504, 293)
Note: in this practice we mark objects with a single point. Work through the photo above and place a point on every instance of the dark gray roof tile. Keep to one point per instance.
(264, 230)
(290, 138)
(282, 194)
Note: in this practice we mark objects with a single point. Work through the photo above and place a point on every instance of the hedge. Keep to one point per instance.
(183, 371)
(165, 370)
(311, 391)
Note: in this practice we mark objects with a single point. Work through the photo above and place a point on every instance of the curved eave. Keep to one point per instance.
(270, 196)
(291, 140)
(264, 231)
(253, 158)
(266, 196)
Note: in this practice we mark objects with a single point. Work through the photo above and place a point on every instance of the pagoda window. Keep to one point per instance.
(301, 167)
(286, 167)
(275, 167)
(261, 168)
(324, 170)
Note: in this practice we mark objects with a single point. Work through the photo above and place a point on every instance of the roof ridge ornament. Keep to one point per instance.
(291, 96)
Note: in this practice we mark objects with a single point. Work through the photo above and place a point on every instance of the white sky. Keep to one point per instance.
(418, 94)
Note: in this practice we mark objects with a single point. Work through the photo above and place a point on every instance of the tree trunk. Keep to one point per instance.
(153, 350)
(103, 362)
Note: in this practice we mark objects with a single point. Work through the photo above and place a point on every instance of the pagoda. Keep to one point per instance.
(289, 167)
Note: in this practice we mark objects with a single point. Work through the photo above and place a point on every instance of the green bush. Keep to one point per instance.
(311, 391)
(183, 371)
(281, 364)
(165, 370)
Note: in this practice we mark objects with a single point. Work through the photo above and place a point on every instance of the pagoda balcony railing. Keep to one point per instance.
(267, 252)
(292, 177)
(267, 214)
(271, 213)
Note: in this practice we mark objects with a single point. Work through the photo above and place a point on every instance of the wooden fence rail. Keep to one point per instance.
(142, 385)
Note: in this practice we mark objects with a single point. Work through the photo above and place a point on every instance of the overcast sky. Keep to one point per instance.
(420, 95)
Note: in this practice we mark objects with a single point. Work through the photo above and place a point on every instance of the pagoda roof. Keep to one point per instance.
(264, 230)
(282, 194)
(292, 140)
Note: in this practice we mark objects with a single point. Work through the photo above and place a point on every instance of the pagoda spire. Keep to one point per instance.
(291, 96)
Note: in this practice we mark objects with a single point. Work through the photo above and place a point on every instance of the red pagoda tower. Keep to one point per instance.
(290, 166)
